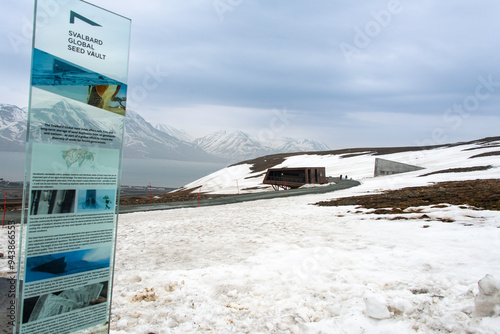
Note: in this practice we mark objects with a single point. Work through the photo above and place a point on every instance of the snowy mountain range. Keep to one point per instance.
(238, 146)
(143, 140)
(235, 146)
(161, 141)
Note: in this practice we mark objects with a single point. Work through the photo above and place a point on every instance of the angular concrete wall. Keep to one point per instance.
(388, 167)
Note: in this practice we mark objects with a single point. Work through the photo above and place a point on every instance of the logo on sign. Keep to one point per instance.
(73, 15)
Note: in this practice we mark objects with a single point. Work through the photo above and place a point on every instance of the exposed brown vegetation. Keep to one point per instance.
(459, 170)
(483, 194)
(178, 196)
(487, 154)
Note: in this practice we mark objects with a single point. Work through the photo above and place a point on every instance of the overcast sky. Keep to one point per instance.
(348, 73)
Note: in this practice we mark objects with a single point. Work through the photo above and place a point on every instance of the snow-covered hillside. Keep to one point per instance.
(286, 266)
(247, 177)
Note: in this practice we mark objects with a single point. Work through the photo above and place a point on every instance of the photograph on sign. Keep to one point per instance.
(96, 200)
(56, 303)
(67, 263)
(63, 78)
(59, 119)
(50, 201)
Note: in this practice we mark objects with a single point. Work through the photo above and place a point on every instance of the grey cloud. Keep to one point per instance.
(287, 54)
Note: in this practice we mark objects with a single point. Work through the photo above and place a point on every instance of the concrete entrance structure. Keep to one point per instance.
(388, 167)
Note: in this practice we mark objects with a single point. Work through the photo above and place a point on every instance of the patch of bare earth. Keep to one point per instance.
(487, 154)
(481, 194)
(460, 170)
(178, 196)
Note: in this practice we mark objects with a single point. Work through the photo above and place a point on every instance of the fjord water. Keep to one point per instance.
(135, 172)
(164, 173)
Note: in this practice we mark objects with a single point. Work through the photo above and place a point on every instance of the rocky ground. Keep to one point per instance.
(481, 194)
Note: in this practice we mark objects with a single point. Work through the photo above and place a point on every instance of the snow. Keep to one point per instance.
(376, 306)
(287, 266)
(239, 178)
(487, 302)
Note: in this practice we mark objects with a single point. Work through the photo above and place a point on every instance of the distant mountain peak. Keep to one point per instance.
(238, 145)
(11, 113)
(181, 134)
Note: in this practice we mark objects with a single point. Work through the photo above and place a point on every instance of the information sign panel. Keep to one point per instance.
(73, 164)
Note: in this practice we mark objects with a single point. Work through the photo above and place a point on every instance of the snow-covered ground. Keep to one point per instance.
(287, 266)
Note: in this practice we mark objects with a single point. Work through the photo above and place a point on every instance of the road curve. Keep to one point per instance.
(343, 184)
(15, 216)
